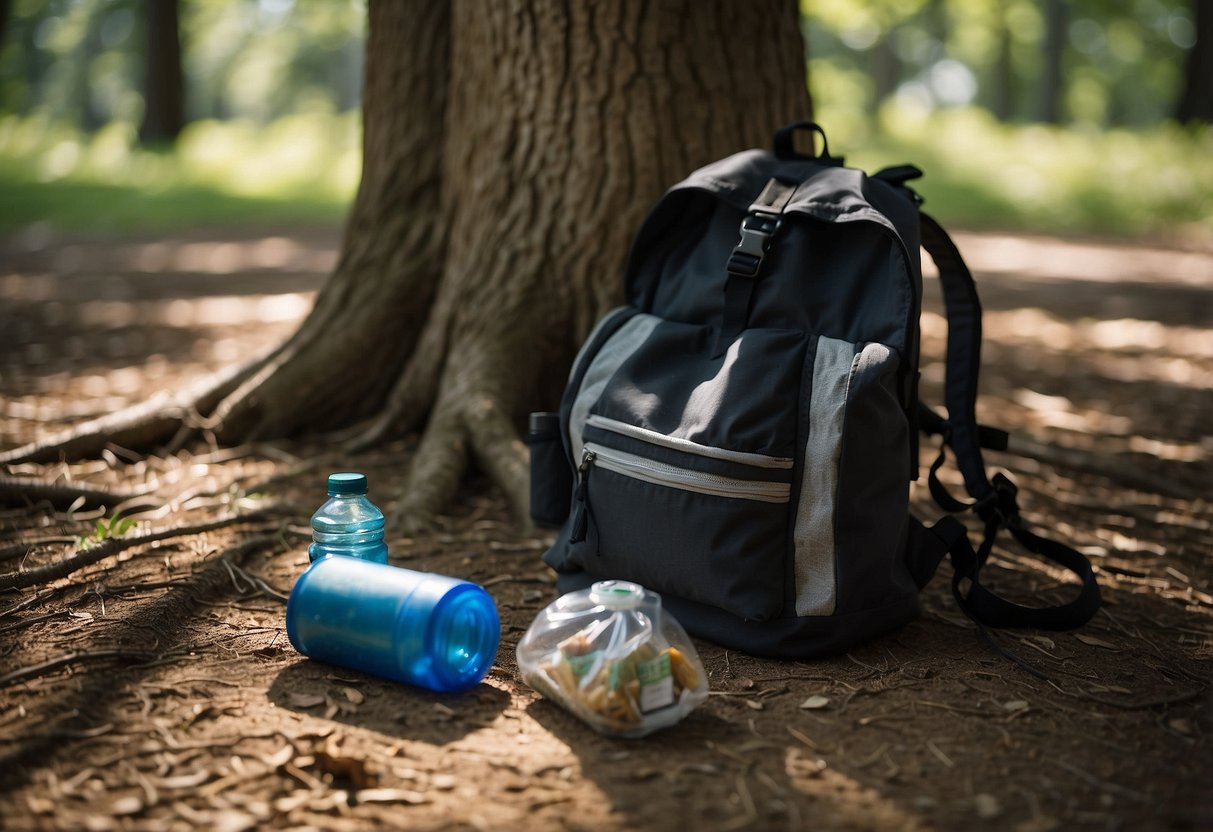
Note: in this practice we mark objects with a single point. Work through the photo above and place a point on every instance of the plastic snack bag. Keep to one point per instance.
(610, 655)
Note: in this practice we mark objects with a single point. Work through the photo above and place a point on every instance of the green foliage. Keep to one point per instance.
(979, 173)
(1121, 62)
(983, 174)
(301, 168)
(81, 61)
(113, 528)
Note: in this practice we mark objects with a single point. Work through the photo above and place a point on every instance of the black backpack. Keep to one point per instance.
(741, 435)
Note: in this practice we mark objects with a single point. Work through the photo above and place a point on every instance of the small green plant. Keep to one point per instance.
(112, 528)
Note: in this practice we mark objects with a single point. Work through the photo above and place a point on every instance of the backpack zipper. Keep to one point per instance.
(581, 512)
(672, 476)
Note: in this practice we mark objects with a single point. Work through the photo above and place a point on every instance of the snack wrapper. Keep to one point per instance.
(614, 658)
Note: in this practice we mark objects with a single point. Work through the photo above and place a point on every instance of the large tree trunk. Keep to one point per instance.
(492, 223)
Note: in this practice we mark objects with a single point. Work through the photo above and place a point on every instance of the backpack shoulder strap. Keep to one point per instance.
(994, 500)
(963, 311)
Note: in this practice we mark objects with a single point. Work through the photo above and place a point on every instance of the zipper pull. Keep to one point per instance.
(581, 511)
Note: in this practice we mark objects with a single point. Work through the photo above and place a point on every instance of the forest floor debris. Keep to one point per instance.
(151, 685)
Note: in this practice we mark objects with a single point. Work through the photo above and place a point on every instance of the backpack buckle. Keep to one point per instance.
(757, 229)
(1000, 503)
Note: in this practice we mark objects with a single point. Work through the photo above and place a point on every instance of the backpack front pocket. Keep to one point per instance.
(727, 548)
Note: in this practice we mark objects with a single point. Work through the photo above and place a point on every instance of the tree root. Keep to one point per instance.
(71, 658)
(158, 420)
(434, 477)
(27, 490)
(500, 452)
(464, 425)
(87, 556)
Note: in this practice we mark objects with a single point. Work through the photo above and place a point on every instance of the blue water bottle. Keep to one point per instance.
(348, 524)
(429, 630)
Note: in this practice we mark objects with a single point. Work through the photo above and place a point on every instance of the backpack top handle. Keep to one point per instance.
(785, 144)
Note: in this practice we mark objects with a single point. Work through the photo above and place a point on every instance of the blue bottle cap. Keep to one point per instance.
(347, 483)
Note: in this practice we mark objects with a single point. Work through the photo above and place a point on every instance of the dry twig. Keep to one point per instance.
(88, 556)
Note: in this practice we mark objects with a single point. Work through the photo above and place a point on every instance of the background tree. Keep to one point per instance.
(163, 80)
(1196, 99)
(510, 152)
(1052, 78)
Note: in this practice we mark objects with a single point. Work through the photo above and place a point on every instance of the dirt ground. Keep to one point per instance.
(156, 689)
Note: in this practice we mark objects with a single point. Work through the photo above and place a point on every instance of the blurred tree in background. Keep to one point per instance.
(1084, 62)
(86, 61)
(1051, 115)
(1127, 64)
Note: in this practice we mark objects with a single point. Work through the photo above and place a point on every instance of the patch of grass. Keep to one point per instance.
(301, 169)
(304, 169)
(983, 174)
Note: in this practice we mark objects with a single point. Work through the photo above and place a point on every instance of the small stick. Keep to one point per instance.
(70, 658)
(86, 557)
(26, 490)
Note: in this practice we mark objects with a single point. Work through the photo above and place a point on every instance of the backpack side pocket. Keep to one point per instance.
(551, 477)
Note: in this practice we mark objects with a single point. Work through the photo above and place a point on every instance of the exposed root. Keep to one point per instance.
(87, 556)
(146, 425)
(26, 490)
(71, 658)
(500, 452)
(437, 470)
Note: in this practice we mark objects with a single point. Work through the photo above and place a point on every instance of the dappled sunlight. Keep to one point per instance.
(95, 327)
(1049, 257)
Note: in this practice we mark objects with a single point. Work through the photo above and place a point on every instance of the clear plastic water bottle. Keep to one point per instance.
(429, 630)
(348, 524)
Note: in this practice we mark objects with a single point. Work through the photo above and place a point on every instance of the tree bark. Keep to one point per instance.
(597, 108)
(1196, 100)
(164, 80)
(340, 364)
(511, 151)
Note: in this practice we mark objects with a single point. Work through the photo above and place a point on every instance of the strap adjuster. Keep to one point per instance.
(757, 229)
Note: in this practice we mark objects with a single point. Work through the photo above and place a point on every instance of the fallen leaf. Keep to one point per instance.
(1016, 705)
(814, 703)
(305, 700)
(1096, 642)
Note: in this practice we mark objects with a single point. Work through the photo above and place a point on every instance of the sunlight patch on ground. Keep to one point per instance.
(1040, 257)
(226, 257)
(203, 312)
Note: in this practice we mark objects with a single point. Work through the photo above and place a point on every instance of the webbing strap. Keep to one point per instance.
(964, 354)
(762, 221)
(994, 501)
(984, 606)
